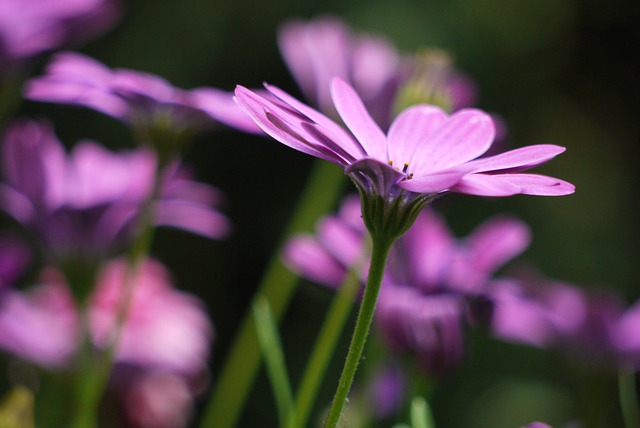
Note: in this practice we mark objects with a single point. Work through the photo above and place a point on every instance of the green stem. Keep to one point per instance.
(381, 248)
(326, 342)
(628, 397)
(241, 365)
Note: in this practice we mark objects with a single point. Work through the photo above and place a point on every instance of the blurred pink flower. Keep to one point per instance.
(152, 399)
(326, 47)
(40, 325)
(140, 99)
(429, 280)
(29, 27)
(592, 327)
(161, 360)
(81, 205)
(165, 329)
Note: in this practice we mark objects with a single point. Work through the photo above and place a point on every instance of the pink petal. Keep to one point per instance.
(220, 106)
(330, 128)
(340, 240)
(465, 136)
(283, 125)
(497, 241)
(430, 248)
(410, 129)
(304, 255)
(195, 218)
(513, 184)
(358, 120)
(523, 158)
(541, 185)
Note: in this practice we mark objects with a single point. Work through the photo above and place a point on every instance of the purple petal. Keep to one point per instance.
(329, 128)
(360, 123)
(375, 62)
(465, 136)
(315, 52)
(519, 318)
(340, 240)
(485, 185)
(518, 159)
(411, 129)
(194, 218)
(220, 106)
(498, 241)
(304, 255)
(72, 78)
(513, 184)
(282, 125)
(429, 250)
(40, 325)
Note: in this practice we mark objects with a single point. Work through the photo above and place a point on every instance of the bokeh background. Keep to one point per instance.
(559, 72)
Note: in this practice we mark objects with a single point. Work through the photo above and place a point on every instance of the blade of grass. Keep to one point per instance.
(421, 414)
(323, 188)
(271, 345)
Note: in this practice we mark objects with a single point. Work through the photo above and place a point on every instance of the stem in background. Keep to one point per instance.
(96, 369)
(322, 191)
(274, 360)
(628, 397)
(381, 247)
(326, 341)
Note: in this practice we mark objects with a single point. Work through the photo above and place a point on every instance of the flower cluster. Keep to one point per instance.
(433, 280)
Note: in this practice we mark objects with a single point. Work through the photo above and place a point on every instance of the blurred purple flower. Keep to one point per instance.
(325, 47)
(29, 27)
(430, 277)
(425, 153)
(165, 329)
(81, 205)
(40, 324)
(387, 391)
(165, 340)
(139, 99)
(587, 326)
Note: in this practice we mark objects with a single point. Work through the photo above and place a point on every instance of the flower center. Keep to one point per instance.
(405, 167)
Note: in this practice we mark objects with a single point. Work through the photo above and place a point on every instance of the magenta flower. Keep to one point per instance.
(430, 279)
(424, 155)
(81, 205)
(325, 47)
(425, 151)
(29, 27)
(140, 99)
